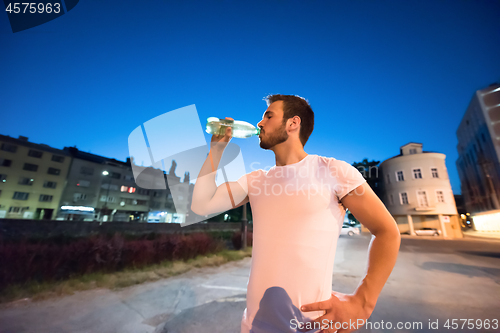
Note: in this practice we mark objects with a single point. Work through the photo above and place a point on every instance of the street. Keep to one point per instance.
(434, 281)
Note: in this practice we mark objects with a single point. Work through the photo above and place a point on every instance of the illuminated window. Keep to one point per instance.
(124, 189)
(131, 190)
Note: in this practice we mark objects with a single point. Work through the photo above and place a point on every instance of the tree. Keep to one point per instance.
(369, 170)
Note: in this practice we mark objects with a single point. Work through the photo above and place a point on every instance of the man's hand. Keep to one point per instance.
(344, 313)
(220, 142)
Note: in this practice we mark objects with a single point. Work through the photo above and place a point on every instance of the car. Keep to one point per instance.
(348, 230)
(428, 232)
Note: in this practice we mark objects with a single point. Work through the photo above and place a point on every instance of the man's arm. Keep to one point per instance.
(364, 204)
(383, 251)
(207, 197)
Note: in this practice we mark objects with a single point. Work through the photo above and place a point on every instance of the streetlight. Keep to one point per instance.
(105, 209)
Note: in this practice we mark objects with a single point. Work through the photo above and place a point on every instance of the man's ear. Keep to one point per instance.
(295, 122)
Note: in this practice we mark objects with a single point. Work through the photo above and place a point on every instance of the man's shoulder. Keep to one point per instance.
(331, 161)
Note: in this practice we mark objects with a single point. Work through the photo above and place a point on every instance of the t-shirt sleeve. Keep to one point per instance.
(346, 177)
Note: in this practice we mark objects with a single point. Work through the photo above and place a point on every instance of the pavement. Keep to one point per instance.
(434, 281)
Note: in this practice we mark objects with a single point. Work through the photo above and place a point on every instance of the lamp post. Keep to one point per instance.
(105, 209)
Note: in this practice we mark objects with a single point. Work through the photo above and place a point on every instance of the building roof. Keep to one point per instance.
(23, 141)
(423, 152)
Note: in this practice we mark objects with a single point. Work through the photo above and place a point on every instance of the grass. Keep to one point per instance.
(37, 291)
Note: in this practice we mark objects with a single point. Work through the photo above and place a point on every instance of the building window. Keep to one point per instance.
(5, 162)
(387, 179)
(391, 199)
(110, 186)
(54, 171)
(48, 184)
(20, 196)
(143, 191)
(25, 181)
(413, 151)
(422, 199)
(434, 172)
(399, 176)
(83, 183)
(87, 171)
(403, 197)
(45, 198)
(30, 167)
(17, 209)
(35, 153)
(3, 178)
(417, 174)
(57, 158)
(115, 175)
(79, 196)
(9, 147)
(107, 198)
(440, 196)
(128, 177)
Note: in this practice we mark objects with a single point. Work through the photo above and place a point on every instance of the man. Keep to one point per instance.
(298, 208)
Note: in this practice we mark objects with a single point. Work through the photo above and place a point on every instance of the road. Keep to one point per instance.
(434, 280)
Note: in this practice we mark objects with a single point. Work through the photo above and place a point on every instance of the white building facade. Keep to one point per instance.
(417, 191)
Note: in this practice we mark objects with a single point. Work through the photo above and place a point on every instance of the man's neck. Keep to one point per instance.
(289, 154)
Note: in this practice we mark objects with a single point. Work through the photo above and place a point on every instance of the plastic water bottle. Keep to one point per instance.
(241, 129)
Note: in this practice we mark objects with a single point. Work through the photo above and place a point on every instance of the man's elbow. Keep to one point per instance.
(198, 209)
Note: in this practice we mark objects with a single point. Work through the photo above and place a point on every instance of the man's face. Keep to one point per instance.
(272, 128)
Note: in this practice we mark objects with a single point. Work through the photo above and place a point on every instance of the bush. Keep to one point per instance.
(236, 239)
(24, 261)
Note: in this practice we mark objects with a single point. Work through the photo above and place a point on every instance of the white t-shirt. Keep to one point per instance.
(297, 218)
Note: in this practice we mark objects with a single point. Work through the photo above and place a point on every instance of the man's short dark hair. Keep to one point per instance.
(296, 106)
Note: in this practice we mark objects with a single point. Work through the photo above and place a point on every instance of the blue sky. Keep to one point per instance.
(378, 74)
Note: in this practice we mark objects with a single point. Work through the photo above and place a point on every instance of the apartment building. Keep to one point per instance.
(478, 148)
(416, 190)
(32, 178)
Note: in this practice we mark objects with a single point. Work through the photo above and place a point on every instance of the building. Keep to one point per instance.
(417, 191)
(478, 148)
(100, 188)
(41, 182)
(32, 178)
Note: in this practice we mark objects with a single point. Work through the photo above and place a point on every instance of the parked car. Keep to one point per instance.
(428, 232)
(348, 230)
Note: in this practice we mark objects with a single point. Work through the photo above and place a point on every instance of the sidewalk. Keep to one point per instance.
(469, 234)
(491, 235)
